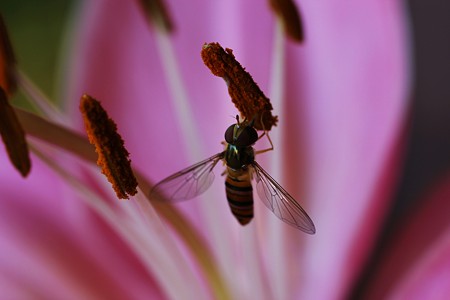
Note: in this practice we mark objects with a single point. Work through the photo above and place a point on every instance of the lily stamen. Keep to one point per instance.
(13, 136)
(289, 15)
(109, 145)
(244, 92)
(157, 13)
(7, 61)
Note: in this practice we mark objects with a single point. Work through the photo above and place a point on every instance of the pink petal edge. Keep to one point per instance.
(417, 261)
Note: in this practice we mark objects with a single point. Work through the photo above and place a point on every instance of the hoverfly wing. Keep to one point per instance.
(187, 183)
(280, 202)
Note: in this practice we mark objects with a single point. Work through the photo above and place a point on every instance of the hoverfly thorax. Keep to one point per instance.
(239, 152)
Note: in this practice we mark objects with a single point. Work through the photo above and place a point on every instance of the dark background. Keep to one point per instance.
(428, 152)
(37, 31)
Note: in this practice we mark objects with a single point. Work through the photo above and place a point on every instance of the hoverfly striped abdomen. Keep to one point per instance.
(239, 193)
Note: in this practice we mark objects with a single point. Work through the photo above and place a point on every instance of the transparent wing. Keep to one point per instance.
(280, 202)
(187, 183)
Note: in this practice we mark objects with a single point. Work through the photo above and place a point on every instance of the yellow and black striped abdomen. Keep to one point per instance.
(239, 192)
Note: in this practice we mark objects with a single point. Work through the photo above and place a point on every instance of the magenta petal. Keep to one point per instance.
(342, 121)
(429, 277)
(416, 264)
(346, 99)
(117, 61)
(54, 247)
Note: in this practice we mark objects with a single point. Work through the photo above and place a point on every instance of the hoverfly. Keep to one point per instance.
(239, 157)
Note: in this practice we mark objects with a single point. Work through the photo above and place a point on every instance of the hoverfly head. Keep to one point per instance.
(241, 135)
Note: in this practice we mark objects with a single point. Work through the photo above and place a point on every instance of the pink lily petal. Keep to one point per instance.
(117, 60)
(343, 127)
(430, 277)
(51, 243)
(416, 264)
(342, 120)
(341, 123)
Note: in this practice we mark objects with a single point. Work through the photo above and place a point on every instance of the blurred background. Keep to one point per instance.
(427, 156)
(37, 31)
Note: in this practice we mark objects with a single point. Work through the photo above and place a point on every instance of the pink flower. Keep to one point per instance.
(341, 99)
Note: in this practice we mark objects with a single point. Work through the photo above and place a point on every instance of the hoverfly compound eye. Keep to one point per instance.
(229, 134)
(247, 137)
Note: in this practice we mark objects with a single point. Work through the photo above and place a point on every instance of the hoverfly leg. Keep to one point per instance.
(265, 133)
